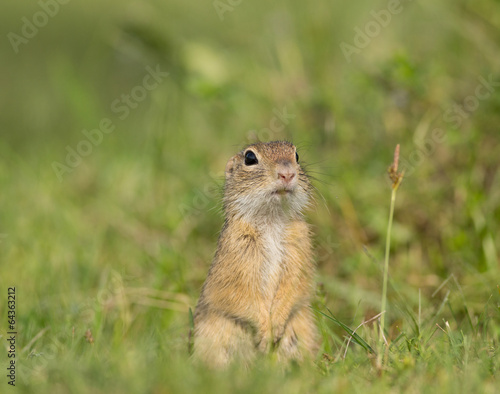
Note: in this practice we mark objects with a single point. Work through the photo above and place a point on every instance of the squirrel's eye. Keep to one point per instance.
(297, 157)
(250, 158)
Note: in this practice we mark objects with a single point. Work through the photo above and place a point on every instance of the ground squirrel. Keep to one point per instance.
(257, 294)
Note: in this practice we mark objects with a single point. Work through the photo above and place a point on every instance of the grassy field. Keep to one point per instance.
(117, 121)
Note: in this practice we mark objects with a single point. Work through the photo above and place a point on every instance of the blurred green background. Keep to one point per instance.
(117, 239)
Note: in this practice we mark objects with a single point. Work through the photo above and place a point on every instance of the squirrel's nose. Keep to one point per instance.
(286, 175)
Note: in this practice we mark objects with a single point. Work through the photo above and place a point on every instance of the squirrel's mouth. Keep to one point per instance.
(282, 192)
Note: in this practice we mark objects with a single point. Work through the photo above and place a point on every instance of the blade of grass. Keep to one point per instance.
(355, 337)
(397, 178)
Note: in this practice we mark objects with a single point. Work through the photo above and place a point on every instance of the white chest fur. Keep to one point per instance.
(273, 264)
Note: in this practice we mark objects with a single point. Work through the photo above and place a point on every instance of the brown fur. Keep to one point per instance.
(257, 293)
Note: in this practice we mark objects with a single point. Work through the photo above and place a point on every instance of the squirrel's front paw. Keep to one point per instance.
(278, 332)
(263, 344)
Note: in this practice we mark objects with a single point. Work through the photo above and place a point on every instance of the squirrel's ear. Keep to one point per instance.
(230, 167)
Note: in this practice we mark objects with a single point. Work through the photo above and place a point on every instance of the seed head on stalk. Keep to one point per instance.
(396, 177)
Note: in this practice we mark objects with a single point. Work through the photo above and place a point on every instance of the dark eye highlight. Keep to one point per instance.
(250, 158)
(297, 157)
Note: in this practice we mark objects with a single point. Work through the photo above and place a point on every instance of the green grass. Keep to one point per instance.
(122, 244)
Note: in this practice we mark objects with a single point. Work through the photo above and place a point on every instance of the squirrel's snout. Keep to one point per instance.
(286, 175)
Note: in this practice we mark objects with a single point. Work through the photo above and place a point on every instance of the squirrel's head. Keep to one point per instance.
(266, 179)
